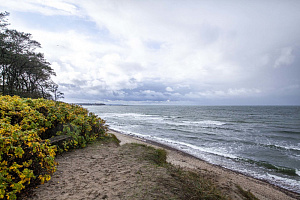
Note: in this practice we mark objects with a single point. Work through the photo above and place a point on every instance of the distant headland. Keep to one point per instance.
(90, 104)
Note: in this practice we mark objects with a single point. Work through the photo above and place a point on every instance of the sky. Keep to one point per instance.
(196, 52)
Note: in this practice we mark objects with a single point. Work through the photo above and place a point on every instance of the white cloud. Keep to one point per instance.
(45, 7)
(231, 92)
(169, 89)
(286, 57)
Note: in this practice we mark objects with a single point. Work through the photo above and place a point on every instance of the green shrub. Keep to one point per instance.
(157, 156)
(26, 156)
(246, 194)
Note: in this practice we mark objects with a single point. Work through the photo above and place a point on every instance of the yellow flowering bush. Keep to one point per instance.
(26, 155)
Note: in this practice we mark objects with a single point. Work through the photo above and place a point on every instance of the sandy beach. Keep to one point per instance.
(112, 172)
(224, 177)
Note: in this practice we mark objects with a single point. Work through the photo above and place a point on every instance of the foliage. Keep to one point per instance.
(193, 185)
(246, 194)
(157, 156)
(26, 156)
(23, 71)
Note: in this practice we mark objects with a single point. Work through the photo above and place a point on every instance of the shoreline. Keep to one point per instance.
(260, 188)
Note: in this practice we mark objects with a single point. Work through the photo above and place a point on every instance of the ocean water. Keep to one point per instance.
(259, 141)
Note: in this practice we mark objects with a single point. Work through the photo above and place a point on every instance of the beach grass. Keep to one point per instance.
(175, 183)
(246, 194)
(156, 156)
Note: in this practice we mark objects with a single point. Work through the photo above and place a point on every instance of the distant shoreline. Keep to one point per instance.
(90, 104)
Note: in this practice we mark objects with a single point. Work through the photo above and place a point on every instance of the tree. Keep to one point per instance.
(24, 72)
(57, 94)
(3, 57)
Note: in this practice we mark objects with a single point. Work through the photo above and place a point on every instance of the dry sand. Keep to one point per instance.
(110, 172)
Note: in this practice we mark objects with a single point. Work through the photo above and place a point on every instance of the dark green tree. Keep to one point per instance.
(24, 72)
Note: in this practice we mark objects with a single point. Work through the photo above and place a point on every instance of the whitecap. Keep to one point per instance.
(192, 148)
(207, 122)
(298, 172)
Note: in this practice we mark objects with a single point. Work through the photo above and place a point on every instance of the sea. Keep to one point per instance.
(259, 141)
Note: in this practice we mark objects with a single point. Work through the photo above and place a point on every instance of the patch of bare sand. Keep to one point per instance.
(111, 172)
(99, 172)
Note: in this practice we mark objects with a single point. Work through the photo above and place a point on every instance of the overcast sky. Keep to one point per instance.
(233, 52)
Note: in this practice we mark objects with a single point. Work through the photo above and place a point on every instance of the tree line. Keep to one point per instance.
(24, 71)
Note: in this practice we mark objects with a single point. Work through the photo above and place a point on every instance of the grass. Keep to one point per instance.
(191, 185)
(246, 194)
(174, 182)
(151, 154)
(112, 139)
